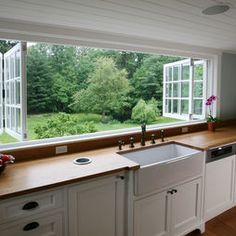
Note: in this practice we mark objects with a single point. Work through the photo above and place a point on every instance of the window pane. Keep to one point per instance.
(17, 82)
(168, 106)
(197, 106)
(184, 89)
(18, 121)
(7, 69)
(184, 107)
(198, 89)
(17, 64)
(185, 72)
(170, 73)
(175, 89)
(176, 73)
(12, 71)
(168, 90)
(198, 72)
(175, 106)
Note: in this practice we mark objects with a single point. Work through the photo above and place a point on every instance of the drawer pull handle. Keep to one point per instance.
(31, 226)
(30, 206)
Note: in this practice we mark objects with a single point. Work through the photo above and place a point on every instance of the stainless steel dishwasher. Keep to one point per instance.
(219, 180)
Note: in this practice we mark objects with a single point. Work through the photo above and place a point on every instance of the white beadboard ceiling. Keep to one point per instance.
(178, 21)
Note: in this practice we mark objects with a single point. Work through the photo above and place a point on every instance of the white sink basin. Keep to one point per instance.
(159, 154)
(164, 166)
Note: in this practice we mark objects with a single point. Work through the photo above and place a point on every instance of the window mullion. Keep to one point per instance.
(191, 75)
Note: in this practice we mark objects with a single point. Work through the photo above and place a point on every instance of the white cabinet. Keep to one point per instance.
(219, 186)
(186, 207)
(151, 215)
(43, 225)
(97, 208)
(38, 214)
(172, 212)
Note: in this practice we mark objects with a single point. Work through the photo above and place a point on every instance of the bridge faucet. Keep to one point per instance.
(143, 128)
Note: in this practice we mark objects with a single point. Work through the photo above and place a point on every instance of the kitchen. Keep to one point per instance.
(34, 200)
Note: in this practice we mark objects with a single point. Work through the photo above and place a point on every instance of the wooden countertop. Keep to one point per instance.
(30, 176)
(34, 175)
(205, 140)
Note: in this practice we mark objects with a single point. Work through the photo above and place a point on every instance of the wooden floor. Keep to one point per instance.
(222, 225)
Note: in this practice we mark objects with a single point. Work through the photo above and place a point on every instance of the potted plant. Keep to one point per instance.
(211, 121)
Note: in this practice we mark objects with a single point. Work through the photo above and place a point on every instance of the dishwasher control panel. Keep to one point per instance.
(220, 152)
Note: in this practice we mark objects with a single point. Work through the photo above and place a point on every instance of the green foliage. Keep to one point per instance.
(6, 45)
(39, 81)
(62, 93)
(145, 112)
(63, 125)
(148, 79)
(107, 90)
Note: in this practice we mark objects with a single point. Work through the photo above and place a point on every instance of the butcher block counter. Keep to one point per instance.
(39, 174)
(205, 140)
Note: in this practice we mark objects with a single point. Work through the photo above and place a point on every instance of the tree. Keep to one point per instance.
(145, 112)
(39, 81)
(148, 79)
(62, 93)
(107, 90)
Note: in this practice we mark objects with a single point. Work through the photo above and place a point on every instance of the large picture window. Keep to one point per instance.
(74, 90)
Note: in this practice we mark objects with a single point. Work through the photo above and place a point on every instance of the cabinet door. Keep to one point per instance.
(186, 207)
(219, 185)
(151, 215)
(97, 208)
(36, 226)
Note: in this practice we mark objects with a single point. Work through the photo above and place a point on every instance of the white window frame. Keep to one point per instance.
(10, 103)
(128, 44)
(191, 63)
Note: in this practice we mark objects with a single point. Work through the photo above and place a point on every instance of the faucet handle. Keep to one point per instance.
(162, 135)
(131, 140)
(120, 144)
(153, 136)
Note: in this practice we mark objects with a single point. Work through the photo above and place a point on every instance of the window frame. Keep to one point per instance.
(214, 57)
(180, 64)
(10, 81)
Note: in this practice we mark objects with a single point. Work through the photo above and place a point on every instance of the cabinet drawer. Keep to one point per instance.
(27, 205)
(37, 226)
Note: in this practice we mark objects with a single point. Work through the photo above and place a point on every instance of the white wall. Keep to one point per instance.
(228, 87)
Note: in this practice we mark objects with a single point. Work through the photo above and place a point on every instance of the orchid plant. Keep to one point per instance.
(209, 104)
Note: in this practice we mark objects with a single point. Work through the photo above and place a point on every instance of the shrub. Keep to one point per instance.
(62, 125)
(145, 112)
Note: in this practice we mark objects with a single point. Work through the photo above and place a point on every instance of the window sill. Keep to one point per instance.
(98, 136)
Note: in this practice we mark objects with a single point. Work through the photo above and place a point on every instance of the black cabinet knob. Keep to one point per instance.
(30, 206)
(31, 226)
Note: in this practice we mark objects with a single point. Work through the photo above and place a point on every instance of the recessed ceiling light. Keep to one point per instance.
(215, 10)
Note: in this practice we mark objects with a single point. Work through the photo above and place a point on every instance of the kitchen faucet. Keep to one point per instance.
(143, 128)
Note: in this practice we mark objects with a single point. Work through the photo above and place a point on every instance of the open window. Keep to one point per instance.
(184, 89)
(13, 110)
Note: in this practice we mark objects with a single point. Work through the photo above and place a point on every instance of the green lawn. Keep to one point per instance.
(35, 120)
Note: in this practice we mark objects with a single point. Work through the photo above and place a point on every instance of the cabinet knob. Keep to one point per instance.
(30, 206)
(170, 192)
(31, 226)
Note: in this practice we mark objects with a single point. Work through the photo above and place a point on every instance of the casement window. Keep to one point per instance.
(13, 110)
(184, 89)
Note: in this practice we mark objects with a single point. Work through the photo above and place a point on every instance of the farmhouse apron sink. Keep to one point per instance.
(163, 166)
